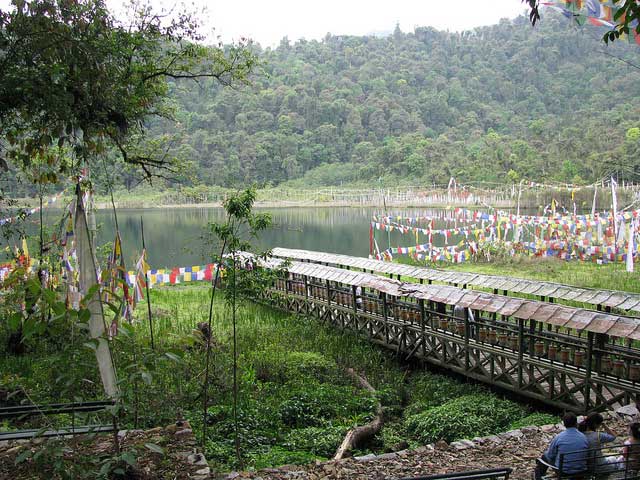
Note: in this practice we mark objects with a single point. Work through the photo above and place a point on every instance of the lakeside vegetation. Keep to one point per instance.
(296, 403)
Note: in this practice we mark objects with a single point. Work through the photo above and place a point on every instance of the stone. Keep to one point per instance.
(13, 450)
(530, 430)
(153, 431)
(462, 444)
(197, 459)
(387, 456)
(187, 432)
(424, 449)
(630, 410)
(232, 476)
(548, 428)
(203, 471)
(479, 440)
(512, 434)
(441, 445)
(493, 439)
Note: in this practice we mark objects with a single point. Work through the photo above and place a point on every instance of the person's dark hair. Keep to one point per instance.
(634, 428)
(570, 420)
(591, 422)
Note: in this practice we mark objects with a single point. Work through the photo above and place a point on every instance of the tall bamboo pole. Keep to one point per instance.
(146, 284)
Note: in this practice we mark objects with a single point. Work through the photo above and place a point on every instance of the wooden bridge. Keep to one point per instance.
(554, 292)
(570, 358)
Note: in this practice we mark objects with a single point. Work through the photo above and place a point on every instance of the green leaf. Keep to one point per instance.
(22, 457)
(154, 448)
(129, 458)
(173, 356)
(146, 377)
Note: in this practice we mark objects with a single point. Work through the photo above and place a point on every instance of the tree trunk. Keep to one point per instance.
(357, 435)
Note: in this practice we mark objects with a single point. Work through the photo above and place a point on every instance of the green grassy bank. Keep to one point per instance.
(296, 403)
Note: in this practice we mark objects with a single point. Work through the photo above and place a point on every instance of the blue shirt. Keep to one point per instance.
(571, 440)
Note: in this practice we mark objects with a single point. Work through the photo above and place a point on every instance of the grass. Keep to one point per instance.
(611, 276)
(295, 401)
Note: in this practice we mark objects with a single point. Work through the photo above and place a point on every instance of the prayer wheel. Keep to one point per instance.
(618, 368)
(565, 355)
(460, 328)
(578, 358)
(493, 337)
(513, 342)
(502, 339)
(605, 364)
(444, 323)
(634, 372)
(539, 348)
(482, 335)
(552, 352)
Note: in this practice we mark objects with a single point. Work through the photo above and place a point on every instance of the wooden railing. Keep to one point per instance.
(566, 368)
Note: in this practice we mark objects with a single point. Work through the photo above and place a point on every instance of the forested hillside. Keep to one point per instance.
(495, 104)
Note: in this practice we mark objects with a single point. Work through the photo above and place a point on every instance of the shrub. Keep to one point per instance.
(429, 390)
(280, 367)
(313, 404)
(465, 417)
(322, 441)
(535, 419)
(277, 456)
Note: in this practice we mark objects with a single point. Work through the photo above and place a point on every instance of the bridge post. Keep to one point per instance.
(587, 378)
(467, 333)
(422, 323)
(521, 351)
(354, 305)
(306, 295)
(385, 314)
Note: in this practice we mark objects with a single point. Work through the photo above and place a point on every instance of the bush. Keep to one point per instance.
(429, 390)
(313, 404)
(280, 367)
(277, 456)
(323, 441)
(465, 417)
(535, 419)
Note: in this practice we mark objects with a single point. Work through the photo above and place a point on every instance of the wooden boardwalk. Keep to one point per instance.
(570, 358)
(605, 300)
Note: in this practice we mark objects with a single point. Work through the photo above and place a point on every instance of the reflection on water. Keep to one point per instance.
(174, 236)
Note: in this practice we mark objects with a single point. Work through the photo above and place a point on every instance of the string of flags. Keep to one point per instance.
(602, 237)
(600, 13)
(31, 211)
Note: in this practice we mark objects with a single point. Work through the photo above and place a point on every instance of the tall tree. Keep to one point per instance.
(74, 76)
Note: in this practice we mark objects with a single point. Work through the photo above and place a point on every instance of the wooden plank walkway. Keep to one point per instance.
(569, 358)
(594, 298)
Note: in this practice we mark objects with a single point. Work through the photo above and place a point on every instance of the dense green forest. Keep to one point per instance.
(495, 104)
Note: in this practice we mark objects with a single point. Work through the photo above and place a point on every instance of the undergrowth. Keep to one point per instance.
(296, 403)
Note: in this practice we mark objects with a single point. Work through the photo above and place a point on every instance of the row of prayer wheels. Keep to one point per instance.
(370, 306)
(343, 299)
(407, 314)
(455, 326)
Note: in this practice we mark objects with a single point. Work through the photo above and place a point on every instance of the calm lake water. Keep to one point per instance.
(174, 237)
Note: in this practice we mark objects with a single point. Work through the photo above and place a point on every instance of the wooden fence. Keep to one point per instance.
(569, 358)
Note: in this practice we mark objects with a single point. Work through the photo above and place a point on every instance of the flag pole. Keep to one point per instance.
(146, 284)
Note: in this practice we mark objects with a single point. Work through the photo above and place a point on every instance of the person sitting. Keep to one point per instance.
(631, 450)
(570, 446)
(590, 426)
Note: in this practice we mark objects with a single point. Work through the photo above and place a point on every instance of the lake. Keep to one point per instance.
(174, 236)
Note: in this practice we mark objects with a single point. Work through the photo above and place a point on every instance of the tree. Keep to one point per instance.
(76, 80)
(234, 236)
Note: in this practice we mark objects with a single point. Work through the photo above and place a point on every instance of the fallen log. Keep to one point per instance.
(357, 435)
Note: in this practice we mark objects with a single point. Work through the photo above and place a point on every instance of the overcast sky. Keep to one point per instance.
(267, 21)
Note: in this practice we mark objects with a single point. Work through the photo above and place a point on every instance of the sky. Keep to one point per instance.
(268, 21)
